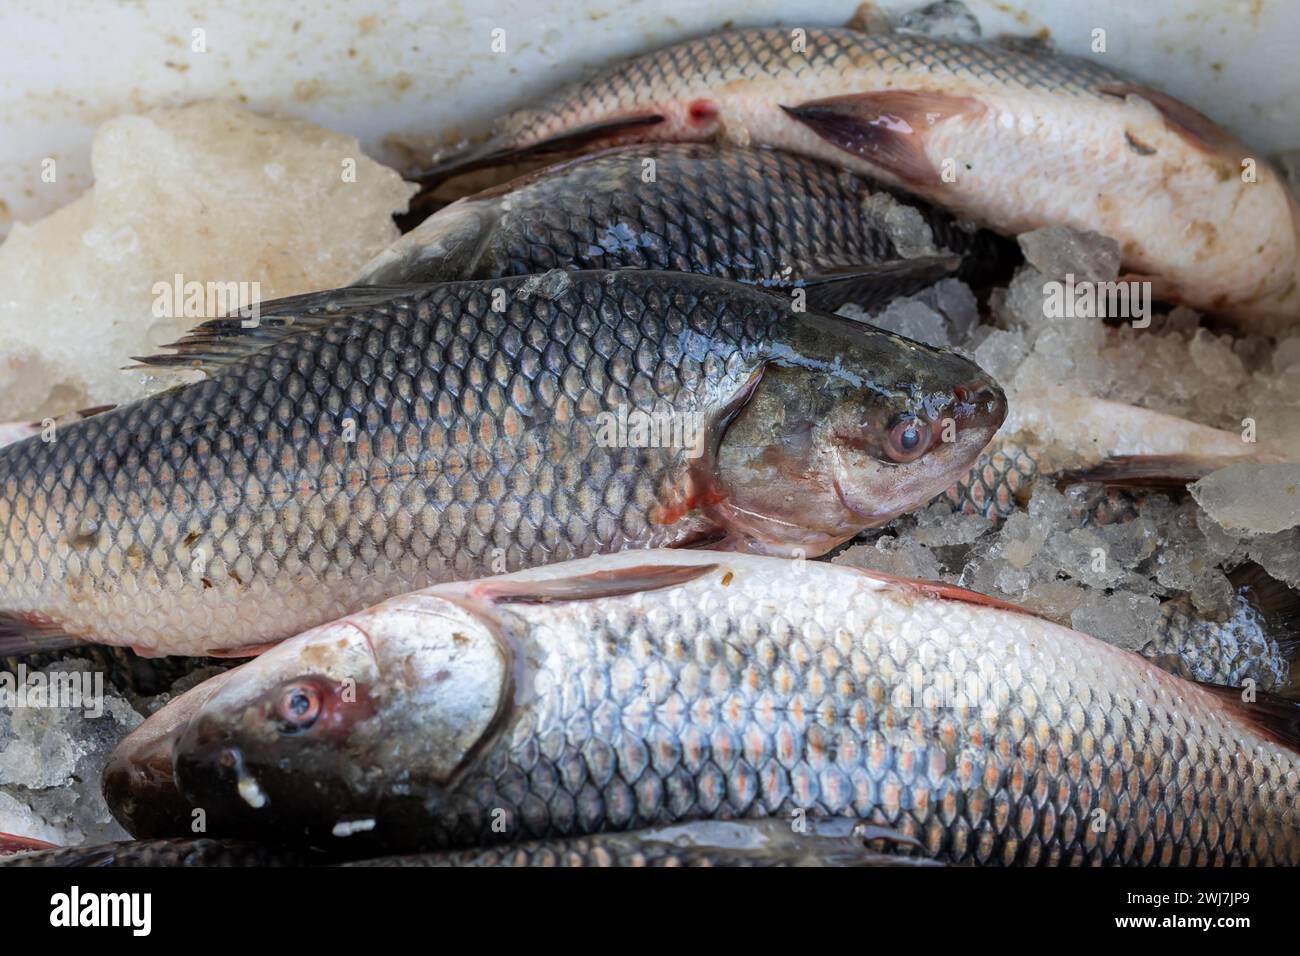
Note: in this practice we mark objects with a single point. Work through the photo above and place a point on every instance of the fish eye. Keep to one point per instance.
(908, 440)
(298, 707)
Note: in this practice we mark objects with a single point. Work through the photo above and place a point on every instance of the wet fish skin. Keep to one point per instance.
(176, 852)
(756, 216)
(999, 134)
(379, 440)
(639, 690)
(711, 843)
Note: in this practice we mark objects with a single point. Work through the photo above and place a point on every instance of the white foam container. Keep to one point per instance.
(424, 68)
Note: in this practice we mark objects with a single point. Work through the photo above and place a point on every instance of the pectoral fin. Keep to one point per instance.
(590, 587)
(495, 153)
(12, 843)
(887, 128)
(1150, 471)
(22, 634)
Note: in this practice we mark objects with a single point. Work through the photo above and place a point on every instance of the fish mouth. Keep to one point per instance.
(979, 404)
(141, 792)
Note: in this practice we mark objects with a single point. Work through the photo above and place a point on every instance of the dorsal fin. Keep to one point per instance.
(873, 285)
(227, 340)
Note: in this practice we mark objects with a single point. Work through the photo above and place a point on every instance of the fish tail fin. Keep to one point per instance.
(1278, 607)
(22, 633)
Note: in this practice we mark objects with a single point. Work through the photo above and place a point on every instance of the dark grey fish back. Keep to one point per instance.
(758, 216)
(748, 216)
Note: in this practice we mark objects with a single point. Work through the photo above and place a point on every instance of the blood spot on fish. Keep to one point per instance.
(671, 513)
(702, 111)
(206, 583)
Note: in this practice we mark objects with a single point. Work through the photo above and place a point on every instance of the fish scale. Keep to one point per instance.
(757, 689)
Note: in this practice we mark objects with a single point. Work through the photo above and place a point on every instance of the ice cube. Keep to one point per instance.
(182, 197)
(1122, 618)
(52, 754)
(1278, 554)
(1287, 354)
(903, 224)
(892, 555)
(1000, 353)
(1213, 356)
(939, 526)
(1058, 251)
(1263, 498)
(946, 19)
(954, 299)
(915, 320)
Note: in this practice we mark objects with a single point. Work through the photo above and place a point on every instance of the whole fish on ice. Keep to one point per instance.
(360, 443)
(642, 689)
(758, 216)
(1006, 135)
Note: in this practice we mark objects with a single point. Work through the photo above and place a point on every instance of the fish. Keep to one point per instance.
(1006, 135)
(739, 843)
(645, 689)
(360, 443)
(758, 216)
(176, 852)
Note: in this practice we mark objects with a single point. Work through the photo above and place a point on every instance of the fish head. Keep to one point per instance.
(847, 427)
(315, 734)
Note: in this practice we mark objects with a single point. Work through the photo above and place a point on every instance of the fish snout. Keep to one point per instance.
(140, 790)
(978, 407)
